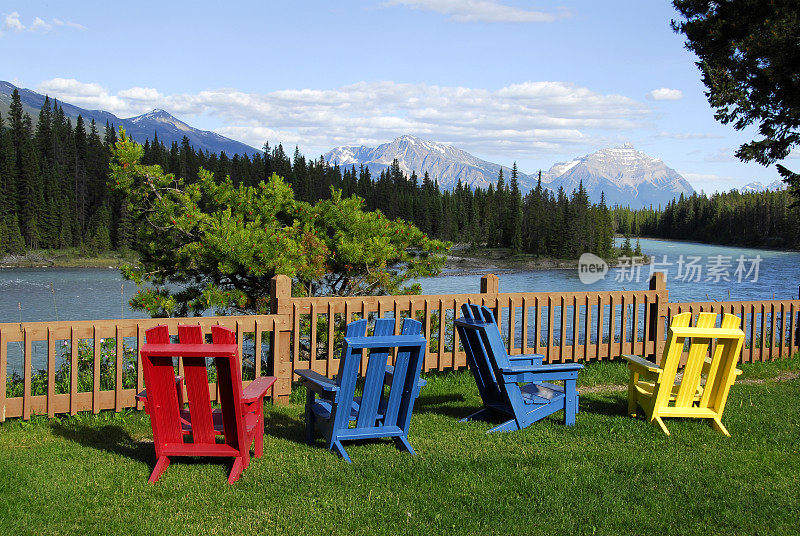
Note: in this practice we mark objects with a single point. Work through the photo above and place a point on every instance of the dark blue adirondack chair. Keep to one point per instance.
(375, 415)
(513, 386)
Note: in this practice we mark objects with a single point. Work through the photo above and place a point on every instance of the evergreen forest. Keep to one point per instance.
(744, 219)
(54, 193)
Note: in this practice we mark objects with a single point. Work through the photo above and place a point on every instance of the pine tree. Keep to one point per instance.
(515, 213)
(8, 171)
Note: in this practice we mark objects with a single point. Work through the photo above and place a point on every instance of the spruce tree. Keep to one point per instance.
(515, 213)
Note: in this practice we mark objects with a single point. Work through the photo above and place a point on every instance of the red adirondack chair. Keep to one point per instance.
(241, 416)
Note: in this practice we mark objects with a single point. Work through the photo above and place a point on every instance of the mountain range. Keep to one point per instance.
(444, 163)
(756, 186)
(626, 176)
(168, 128)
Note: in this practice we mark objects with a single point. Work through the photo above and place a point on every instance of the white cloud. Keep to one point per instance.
(92, 96)
(13, 23)
(532, 118)
(479, 10)
(142, 94)
(59, 22)
(39, 25)
(664, 93)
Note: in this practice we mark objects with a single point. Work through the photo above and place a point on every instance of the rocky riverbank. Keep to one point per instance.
(499, 261)
(70, 258)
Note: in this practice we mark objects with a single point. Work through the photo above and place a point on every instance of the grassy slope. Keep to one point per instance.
(609, 474)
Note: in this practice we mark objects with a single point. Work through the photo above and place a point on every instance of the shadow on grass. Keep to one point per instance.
(115, 440)
(282, 426)
(614, 405)
(110, 438)
(443, 405)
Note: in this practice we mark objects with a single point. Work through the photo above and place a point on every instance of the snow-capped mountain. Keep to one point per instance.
(140, 128)
(756, 186)
(443, 162)
(627, 177)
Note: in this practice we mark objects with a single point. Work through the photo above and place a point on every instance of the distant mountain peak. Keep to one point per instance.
(756, 186)
(444, 163)
(626, 176)
(169, 128)
(155, 115)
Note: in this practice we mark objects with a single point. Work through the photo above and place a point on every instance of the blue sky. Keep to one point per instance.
(528, 81)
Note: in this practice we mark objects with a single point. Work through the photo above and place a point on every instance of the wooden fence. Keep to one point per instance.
(305, 333)
(104, 352)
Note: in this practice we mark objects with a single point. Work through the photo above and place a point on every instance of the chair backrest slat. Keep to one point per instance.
(196, 379)
(477, 358)
(722, 371)
(690, 381)
(483, 335)
(162, 397)
(673, 349)
(229, 383)
(374, 377)
(403, 388)
(349, 363)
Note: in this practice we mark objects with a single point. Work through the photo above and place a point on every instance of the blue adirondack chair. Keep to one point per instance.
(513, 386)
(375, 415)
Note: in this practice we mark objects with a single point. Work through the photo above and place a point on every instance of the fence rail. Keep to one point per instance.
(95, 365)
(65, 346)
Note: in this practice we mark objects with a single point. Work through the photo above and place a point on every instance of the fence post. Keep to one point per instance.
(281, 344)
(490, 285)
(657, 313)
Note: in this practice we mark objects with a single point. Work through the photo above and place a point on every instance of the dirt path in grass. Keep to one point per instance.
(783, 376)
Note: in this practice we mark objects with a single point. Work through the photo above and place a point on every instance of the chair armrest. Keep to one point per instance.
(141, 396)
(554, 367)
(527, 359)
(387, 378)
(316, 381)
(257, 388)
(641, 365)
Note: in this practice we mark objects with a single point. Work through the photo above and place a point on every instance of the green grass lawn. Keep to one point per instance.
(609, 474)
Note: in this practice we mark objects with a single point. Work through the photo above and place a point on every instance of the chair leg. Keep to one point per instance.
(717, 425)
(310, 418)
(403, 444)
(339, 449)
(660, 422)
(158, 470)
(236, 470)
(632, 395)
(570, 402)
(258, 448)
(508, 426)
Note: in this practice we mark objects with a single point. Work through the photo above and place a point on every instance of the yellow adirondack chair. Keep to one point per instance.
(702, 390)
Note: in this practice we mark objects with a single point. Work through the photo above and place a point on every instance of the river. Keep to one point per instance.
(46, 294)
